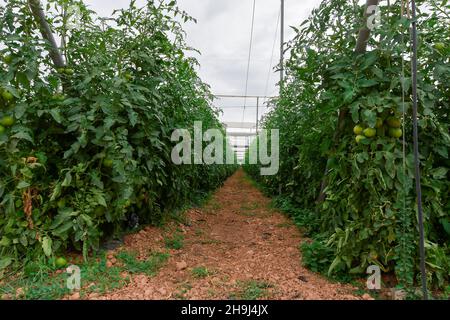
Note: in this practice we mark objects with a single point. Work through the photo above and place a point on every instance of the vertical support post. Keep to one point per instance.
(39, 16)
(257, 114)
(282, 46)
(416, 152)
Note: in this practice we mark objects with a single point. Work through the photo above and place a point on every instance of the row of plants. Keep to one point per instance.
(346, 148)
(85, 149)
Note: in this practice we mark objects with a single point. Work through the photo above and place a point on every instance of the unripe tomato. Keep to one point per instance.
(69, 71)
(7, 96)
(394, 122)
(7, 121)
(359, 138)
(358, 130)
(8, 59)
(60, 262)
(108, 163)
(395, 132)
(370, 132)
(440, 46)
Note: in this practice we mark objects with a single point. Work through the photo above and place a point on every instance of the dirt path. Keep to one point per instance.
(236, 247)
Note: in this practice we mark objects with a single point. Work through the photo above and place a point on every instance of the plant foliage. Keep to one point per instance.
(369, 212)
(85, 147)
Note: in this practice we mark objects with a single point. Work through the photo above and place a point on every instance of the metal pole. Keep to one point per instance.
(282, 46)
(257, 114)
(416, 152)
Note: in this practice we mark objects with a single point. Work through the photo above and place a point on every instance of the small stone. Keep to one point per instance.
(113, 260)
(148, 292)
(5, 297)
(181, 265)
(367, 296)
(19, 292)
(75, 296)
(162, 291)
(302, 278)
(109, 264)
(110, 256)
(399, 294)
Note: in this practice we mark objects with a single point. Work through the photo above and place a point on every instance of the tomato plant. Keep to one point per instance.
(84, 147)
(369, 212)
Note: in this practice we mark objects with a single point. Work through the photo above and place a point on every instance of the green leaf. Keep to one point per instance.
(47, 246)
(5, 242)
(56, 115)
(439, 173)
(23, 240)
(133, 117)
(390, 164)
(20, 110)
(100, 199)
(348, 95)
(63, 215)
(354, 110)
(87, 219)
(333, 265)
(370, 117)
(67, 180)
(366, 83)
(23, 185)
(61, 231)
(5, 262)
(56, 192)
(22, 135)
(369, 59)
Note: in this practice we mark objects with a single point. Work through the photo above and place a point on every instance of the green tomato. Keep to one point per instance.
(69, 71)
(8, 59)
(7, 121)
(99, 211)
(394, 122)
(395, 132)
(370, 132)
(58, 96)
(2, 129)
(440, 46)
(358, 129)
(60, 262)
(360, 138)
(7, 96)
(107, 163)
(128, 76)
